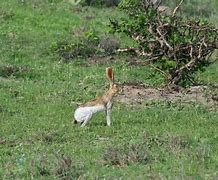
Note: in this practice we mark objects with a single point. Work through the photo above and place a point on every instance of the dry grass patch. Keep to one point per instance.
(56, 165)
(126, 155)
(150, 149)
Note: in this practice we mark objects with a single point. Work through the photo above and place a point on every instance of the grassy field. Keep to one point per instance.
(39, 92)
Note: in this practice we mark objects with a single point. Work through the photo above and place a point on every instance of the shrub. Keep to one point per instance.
(100, 3)
(111, 3)
(84, 46)
(109, 44)
(175, 46)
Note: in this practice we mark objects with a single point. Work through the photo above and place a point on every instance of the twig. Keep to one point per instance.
(139, 38)
(159, 70)
(176, 8)
(130, 49)
(158, 4)
(200, 48)
(186, 66)
(191, 52)
(164, 40)
(156, 37)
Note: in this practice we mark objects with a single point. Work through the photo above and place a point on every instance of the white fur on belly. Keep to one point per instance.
(83, 113)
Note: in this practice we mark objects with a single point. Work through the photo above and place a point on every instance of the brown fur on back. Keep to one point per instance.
(93, 102)
(100, 100)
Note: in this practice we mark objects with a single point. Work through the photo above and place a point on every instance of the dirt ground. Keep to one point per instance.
(136, 93)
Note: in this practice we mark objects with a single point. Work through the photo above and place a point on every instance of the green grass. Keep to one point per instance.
(37, 137)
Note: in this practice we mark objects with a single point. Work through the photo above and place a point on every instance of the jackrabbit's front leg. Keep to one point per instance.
(108, 116)
(108, 113)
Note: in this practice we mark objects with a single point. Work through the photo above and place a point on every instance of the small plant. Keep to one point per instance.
(174, 46)
(109, 44)
(16, 71)
(6, 71)
(111, 3)
(5, 15)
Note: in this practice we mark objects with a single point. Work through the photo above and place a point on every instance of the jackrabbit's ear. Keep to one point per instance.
(110, 75)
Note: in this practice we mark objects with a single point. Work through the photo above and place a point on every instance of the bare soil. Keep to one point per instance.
(135, 93)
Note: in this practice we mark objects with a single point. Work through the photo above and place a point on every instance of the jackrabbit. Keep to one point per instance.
(84, 112)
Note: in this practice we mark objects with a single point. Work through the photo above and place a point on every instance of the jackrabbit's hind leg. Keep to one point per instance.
(86, 119)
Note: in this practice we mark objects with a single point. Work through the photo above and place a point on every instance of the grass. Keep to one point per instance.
(38, 94)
